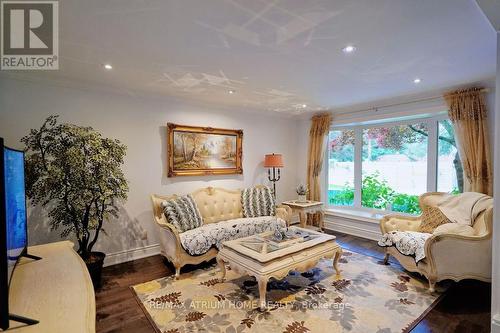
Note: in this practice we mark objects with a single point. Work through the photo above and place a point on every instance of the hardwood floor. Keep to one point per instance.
(464, 308)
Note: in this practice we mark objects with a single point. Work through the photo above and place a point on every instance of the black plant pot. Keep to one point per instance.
(94, 265)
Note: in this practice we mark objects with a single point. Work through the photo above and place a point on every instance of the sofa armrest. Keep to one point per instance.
(162, 222)
(471, 256)
(399, 222)
(169, 237)
(284, 212)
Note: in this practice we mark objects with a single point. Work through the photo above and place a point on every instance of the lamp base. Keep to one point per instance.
(275, 177)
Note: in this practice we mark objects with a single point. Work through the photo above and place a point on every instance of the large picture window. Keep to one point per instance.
(341, 168)
(389, 165)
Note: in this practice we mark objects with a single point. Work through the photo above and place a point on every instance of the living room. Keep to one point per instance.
(289, 166)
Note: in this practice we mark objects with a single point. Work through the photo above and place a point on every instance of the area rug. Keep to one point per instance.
(367, 297)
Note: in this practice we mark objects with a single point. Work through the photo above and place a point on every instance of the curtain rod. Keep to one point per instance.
(375, 108)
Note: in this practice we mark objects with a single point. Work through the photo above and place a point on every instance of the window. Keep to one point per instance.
(341, 168)
(450, 176)
(394, 167)
(388, 166)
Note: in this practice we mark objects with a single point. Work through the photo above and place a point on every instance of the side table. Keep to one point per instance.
(305, 207)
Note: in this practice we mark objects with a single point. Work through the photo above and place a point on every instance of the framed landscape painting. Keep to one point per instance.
(194, 151)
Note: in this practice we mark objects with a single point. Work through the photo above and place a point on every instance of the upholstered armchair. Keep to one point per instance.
(447, 256)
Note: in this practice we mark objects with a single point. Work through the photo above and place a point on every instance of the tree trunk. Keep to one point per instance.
(85, 254)
(459, 172)
(457, 164)
(184, 148)
(195, 150)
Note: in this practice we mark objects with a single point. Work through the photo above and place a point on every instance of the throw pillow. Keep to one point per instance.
(182, 212)
(432, 217)
(454, 229)
(258, 201)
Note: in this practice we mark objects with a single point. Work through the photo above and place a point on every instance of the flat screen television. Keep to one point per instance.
(13, 225)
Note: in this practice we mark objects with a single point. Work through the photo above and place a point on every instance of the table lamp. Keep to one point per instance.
(274, 161)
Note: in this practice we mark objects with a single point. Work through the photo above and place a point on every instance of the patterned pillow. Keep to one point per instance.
(258, 201)
(432, 217)
(182, 212)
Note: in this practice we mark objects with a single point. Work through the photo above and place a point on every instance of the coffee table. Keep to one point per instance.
(264, 258)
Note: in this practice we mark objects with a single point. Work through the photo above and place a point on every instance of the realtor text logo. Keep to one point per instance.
(29, 38)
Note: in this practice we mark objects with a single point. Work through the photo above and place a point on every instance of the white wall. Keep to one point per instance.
(140, 123)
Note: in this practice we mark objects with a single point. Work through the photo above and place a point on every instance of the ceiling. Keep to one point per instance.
(276, 55)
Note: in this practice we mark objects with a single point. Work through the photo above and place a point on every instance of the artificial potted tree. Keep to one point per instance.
(76, 175)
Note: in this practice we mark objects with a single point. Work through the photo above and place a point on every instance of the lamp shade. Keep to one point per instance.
(273, 161)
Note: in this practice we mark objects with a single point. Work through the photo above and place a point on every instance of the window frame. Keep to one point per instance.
(432, 123)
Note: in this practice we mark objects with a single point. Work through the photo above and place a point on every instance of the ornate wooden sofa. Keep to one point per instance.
(447, 256)
(215, 205)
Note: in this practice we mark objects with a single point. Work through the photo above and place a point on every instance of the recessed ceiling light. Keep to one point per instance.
(417, 80)
(231, 91)
(349, 49)
(304, 106)
(108, 66)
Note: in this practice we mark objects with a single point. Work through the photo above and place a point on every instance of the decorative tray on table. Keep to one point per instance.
(283, 238)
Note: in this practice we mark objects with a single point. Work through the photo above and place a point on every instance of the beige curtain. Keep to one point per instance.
(319, 128)
(467, 111)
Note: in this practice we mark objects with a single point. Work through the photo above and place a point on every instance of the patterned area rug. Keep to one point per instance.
(367, 297)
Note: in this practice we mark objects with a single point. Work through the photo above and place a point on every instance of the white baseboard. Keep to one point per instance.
(368, 229)
(355, 227)
(133, 254)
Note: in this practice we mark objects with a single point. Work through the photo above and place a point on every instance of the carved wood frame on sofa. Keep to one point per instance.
(212, 203)
(447, 256)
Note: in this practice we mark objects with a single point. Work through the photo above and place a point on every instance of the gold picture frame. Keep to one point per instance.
(201, 151)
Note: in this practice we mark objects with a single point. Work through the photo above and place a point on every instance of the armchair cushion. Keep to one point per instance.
(454, 229)
(258, 201)
(199, 240)
(182, 212)
(409, 243)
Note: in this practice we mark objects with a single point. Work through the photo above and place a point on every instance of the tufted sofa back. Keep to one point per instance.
(215, 204)
(218, 204)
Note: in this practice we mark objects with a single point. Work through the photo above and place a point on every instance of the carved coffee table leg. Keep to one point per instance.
(222, 267)
(262, 291)
(338, 254)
